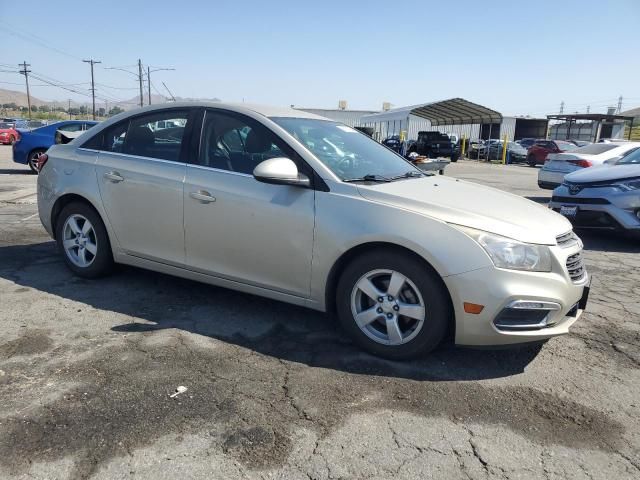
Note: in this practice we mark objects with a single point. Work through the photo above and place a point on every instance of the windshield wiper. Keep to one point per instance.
(368, 178)
(410, 174)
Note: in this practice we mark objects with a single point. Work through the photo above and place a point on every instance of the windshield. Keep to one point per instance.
(632, 157)
(598, 148)
(345, 151)
(566, 146)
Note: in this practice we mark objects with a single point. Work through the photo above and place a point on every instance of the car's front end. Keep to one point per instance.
(505, 304)
(597, 202)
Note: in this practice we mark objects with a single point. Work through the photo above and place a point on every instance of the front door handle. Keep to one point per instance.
(114, 177)
(202, 196)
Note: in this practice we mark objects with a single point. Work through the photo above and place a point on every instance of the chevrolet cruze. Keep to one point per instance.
(297, 208)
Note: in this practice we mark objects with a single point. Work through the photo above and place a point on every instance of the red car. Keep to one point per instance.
(537, 153)
(8, 134)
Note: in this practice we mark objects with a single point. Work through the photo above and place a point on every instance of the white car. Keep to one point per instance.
(297, 208)
(558, 165)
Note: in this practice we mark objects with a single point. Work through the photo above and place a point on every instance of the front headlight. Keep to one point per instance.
(628, 185)
(508, 253)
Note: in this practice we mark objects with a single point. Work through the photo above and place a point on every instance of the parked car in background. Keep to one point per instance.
(8, 133)
(294, 207)
(605, 197)
(434, 144)
(560, 164)
(537, 153)
(515, 152)
(476, 149)
(526, 142)
(393, 143)
(580, 143)
(32, 143)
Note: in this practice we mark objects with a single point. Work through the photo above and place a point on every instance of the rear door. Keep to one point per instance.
(141, 174)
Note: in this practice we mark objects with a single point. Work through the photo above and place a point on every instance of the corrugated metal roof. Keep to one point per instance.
(455, 111)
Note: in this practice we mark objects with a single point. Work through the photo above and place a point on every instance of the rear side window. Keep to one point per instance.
(71, 127)
(156, 135)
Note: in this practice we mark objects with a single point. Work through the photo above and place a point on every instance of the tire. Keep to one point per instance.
(531, 161)
(422, 287)
(32, 159)
(98, 258)
(12, 140)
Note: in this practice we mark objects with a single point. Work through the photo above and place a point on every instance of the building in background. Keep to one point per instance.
(340, 114)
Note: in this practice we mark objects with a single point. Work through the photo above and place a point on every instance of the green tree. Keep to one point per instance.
(115, 110)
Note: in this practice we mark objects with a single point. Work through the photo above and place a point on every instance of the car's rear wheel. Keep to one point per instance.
(531, 161)
(392, 305)
(32, 160)
(12, 140)
(83, 241)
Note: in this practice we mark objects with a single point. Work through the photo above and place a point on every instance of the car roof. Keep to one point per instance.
(265, 110)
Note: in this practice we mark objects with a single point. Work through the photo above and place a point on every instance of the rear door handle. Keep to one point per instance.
(202, 196)
(114, 177)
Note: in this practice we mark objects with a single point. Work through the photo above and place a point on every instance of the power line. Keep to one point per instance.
(30, 37)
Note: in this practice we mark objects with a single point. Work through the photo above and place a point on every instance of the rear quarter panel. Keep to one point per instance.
(69, 170)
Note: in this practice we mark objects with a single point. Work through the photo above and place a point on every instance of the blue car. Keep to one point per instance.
(34, 142)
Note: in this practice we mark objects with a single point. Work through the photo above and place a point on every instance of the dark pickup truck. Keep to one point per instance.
(434, 145)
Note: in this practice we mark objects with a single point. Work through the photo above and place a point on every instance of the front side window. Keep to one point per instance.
(236, 143)
(345, 151)
(630, 157)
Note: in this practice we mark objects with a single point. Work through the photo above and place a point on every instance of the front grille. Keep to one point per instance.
(575, 267)
(566, 239)
(581, 201)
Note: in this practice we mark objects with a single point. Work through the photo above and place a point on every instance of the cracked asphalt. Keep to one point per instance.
(276, 391)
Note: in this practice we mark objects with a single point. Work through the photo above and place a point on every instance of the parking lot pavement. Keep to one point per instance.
(276, 391)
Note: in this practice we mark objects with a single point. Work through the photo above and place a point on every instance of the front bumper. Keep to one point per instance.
(600, 208)
(497, 289)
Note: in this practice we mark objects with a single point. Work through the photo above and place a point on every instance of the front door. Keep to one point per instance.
(241, 229)
(141, 174)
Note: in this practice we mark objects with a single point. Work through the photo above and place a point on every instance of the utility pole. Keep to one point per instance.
(140, 79)
(588, 108)
(93, 86)
(149, 82)
(173, 99)
(561, 107)
(619, 104)
(26, 73)
(149, 78)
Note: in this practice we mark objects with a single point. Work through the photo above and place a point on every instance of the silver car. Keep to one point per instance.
(605, 197)
(297, 208)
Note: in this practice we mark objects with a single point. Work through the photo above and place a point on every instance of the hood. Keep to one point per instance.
(604, 173)
(464, 203)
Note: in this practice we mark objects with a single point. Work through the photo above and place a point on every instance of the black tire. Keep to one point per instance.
(531, 161)
(12, 140)
(436, 301)
(102, 263)
(32, 159)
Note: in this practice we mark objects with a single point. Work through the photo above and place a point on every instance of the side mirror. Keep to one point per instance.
(280, 171)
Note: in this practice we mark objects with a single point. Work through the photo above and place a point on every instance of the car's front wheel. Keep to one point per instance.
(393, 305)
(32, 160)
(531, 161)
(83, 241)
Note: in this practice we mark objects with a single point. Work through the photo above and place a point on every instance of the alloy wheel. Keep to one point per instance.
(387, 307)
(79, 240)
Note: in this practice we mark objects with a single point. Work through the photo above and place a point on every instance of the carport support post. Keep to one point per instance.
(630, 129)
(504, 150)
(488, 142)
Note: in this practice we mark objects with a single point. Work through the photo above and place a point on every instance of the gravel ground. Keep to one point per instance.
(275, 391)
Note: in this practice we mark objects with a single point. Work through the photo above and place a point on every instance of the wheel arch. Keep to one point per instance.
(341, 263)
(65, 200)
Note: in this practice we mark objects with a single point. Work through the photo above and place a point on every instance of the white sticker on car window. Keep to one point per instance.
(344, 128)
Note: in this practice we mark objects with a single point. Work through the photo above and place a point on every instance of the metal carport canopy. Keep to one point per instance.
(455, 111)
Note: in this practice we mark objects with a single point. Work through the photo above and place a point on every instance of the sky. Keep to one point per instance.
(517, 57)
